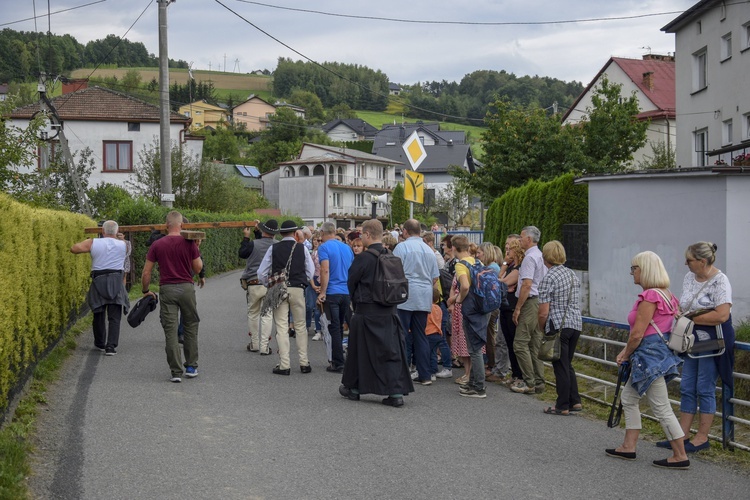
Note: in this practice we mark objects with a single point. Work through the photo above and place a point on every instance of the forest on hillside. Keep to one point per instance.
(24, 54)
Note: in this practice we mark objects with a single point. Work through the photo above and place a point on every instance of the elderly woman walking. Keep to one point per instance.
(652, 363)
(559, 298)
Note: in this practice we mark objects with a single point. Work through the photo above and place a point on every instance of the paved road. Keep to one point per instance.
(117, 428)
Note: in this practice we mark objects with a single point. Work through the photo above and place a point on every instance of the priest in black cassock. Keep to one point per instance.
(376, 358)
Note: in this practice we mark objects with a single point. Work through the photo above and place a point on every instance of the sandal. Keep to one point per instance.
(576, 408)
(551, 410)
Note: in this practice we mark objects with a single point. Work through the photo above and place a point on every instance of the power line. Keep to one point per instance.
(51, 13)
(436, 113)
(463, 23)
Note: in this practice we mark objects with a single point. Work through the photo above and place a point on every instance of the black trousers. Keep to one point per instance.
(509, 332)
(112, 314)
(565, 375)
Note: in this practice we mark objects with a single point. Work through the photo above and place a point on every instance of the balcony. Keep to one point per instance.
(361, 183)
(352, 212)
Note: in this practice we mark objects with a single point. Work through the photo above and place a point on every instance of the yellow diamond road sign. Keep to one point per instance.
(414, 150)
(414, 186)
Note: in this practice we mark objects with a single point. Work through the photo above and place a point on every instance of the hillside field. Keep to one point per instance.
(224, 81)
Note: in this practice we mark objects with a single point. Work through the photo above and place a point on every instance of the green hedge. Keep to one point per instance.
(219, 250)
(42, 286)
(546, 205)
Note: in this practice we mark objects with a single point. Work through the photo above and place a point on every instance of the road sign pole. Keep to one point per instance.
(411, 209)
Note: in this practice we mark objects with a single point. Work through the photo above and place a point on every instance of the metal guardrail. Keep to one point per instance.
(727, 394)
(473, 236)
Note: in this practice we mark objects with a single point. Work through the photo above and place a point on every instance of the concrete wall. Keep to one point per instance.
(271, 186)
(665, 214)
(303, 196)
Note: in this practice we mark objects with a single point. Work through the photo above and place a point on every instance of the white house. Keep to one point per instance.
(652, 79)
(329, 183)
(712, 42)
(349, 129)
(115, 126)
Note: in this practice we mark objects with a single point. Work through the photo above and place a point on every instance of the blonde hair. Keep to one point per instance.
(554, 253)
(702, 250)
(389, 241)
(520, 253)
(473, 249)
(653, 273)
(490, 253)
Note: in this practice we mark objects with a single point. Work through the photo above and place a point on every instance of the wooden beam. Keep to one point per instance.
(188, 226)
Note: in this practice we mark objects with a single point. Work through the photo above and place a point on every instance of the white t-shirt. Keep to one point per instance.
(107, 253)
(718, 291)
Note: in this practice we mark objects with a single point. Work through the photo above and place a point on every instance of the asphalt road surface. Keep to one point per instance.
(116, 428)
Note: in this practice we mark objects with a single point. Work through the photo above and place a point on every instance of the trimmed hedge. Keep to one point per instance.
(546, 205)
(42, 288)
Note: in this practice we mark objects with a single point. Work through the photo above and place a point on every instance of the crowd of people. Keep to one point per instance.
(322, 283)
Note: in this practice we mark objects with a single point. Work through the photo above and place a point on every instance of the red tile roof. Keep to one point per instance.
(661, 93)
(100, 104)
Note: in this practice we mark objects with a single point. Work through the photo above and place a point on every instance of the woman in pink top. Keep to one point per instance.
(652, 363)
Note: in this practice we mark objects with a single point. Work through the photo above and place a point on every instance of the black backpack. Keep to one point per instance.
(390, 286)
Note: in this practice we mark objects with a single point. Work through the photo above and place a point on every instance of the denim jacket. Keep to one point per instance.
(651, 360)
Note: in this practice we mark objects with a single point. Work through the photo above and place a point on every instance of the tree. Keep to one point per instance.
(399, 205)
(17, 148)
(453, 201)
(314, 112)
(520, 145)
(612, 131)
(223, 145)
(340, 111)
(662, 157)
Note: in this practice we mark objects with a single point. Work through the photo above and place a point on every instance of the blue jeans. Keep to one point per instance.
(338, 305)
(474, 346)
(310, 310)
(698, 385)
(437, 341)
(414, 323)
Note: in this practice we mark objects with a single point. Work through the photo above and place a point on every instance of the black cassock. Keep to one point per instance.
(376, 357)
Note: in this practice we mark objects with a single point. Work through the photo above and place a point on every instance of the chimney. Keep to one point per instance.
(74, 85)
(658, 57)
(648, 80)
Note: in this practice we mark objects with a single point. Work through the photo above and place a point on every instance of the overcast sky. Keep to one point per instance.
(204, 32)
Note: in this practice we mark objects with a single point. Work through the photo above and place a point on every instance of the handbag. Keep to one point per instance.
(550, 349)
(277, 287)
(681, 338)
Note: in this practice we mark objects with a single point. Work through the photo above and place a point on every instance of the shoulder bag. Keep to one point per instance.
(550, 349)
(682, 337)
(277, 287)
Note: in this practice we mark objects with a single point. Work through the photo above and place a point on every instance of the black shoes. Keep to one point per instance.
(665, 464)
(110, 351)
(267, 353)
(625, 455)
(389, 401)
(347, 393)
(332, 369)
(305, 369)
(278, 371)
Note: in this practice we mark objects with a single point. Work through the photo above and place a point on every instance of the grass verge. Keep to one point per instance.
(14, 437)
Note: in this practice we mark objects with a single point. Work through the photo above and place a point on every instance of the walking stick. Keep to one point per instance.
(615, 413)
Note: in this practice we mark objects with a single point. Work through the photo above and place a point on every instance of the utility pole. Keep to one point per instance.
(167, 198)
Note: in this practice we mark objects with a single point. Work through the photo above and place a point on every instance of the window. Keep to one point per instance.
(699, 70)
(746, 127)
(359, 170)
(340, 175)
(304, 171)
(198, 113)
(289, 172)
(118, 156)
(700, 139)
(726, 132)
(699, 27)
(134, 127)
(382, 173)
(745, 36)
(726, 46)
(359, 199)
(187, 113)
(319, 170)
(337, 200)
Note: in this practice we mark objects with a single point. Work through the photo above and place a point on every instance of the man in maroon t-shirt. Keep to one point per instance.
(178, 260)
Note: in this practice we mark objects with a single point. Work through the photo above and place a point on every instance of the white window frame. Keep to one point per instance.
(337, 200)
(745, 37)
(726, 132)
(700, 69)
(726, 47)
(700, 147)
(359, 200)
(746, 127)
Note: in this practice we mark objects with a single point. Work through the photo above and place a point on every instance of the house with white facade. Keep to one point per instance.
(329, 183)
(115, 126)
(712, 51)
(652, 80)
(445, 149)
(349, 129)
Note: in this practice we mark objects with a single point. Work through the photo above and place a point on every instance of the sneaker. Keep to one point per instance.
(473, 393)
(444, 373)
(425, 382)
(191, 372)
(175, 379)
(433, 378)
(110, 351)
(414, 375)
(521, 388)
(317, 336)
(464, 387)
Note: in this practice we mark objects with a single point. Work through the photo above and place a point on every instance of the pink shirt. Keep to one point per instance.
(663, 316)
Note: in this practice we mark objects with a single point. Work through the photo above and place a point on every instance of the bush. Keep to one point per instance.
(546, 205)
(42, 288)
